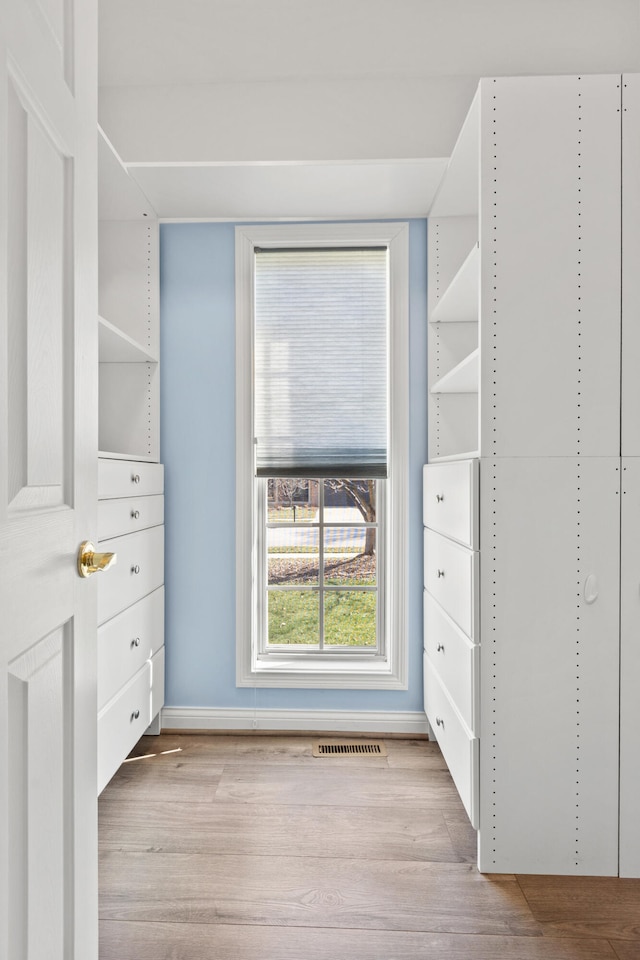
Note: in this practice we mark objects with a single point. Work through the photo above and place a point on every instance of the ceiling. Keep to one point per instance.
(245, 109)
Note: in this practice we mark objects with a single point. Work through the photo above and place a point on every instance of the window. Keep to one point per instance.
(322, 437)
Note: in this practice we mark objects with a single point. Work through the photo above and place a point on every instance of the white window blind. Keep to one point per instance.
(321, 359)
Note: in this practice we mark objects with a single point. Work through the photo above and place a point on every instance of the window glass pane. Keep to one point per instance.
(350, 556)
(350, 618)
(350, 501)
(292, 500)
(290, 540)
(293, 616)
(293, 557)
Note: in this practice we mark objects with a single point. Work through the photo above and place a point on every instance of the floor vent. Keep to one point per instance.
(334, 748)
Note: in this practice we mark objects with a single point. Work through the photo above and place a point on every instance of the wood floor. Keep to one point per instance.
(248, 848)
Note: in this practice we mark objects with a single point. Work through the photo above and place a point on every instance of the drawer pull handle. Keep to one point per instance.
(441, 573)
(135, 715)
(135, 478)
(439, 722)
(439, 497)
(135, 514)
(440, 648)
(135, 569)
(135, 642)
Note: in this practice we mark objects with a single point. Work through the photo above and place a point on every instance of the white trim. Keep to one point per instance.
(392, 673)
(396, 161)
(333, 721)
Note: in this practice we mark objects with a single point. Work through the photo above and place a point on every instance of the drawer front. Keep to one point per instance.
(450, 500)
(138, 571)
(456, 658)
(122, 723)
(460, 749)
(128, 514)
(451, 576)
(126, 641)
(157, 682)
(129, 478)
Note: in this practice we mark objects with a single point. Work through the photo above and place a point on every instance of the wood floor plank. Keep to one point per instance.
(578, 898)
(463, 837)
(173, 780)
(202, 748)
(384, 833)
(414, 754)
(352, 786)
(314, 892)
(606, 907)
(626, 950)
(194, 941)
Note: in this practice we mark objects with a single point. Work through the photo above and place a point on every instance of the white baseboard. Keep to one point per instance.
(325, 721)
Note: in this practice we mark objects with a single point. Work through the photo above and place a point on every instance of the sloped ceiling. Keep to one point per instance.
(331, 108)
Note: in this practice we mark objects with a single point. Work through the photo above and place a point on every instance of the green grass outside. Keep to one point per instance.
(349, 618)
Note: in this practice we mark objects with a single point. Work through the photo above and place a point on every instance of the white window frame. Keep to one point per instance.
(388, 670)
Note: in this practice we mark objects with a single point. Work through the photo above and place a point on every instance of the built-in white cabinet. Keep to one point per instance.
(522, 679)
(630, 542)
(130, 477)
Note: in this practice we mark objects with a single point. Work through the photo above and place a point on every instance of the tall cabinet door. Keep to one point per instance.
(550, 267)
(630, 547)
(630, 265)
(630, 670)
(549, 665)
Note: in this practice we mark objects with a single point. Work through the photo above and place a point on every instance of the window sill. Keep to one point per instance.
(329, 673)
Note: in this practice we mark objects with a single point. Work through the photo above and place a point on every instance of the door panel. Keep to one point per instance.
(39, 270)
(48, 479)
(39, 767)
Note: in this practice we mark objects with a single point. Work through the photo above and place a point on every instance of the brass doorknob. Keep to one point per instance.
(89, 561)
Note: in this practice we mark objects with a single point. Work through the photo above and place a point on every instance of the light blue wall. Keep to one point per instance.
(198, 449)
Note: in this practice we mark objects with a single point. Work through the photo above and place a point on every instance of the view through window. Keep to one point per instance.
(321, 565)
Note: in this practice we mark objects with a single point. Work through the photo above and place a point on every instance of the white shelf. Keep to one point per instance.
(458, 193)
(107, 455)
(470, 455)
(459, 302)
(119, 196)
(115, 346)
(463, 378)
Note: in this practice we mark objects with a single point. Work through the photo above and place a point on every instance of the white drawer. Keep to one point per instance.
(157, 682)
(126, 641)
(450, 500)
(138, 571)
(128, 514)
(128, 478)
(122, 723)
(456, 658)
(451, 576)
(460, 749)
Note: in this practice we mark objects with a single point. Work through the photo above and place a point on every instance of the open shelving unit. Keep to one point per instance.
(128, 322)
(454, 298)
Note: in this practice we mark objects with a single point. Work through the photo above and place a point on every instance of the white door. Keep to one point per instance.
(48, 451)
